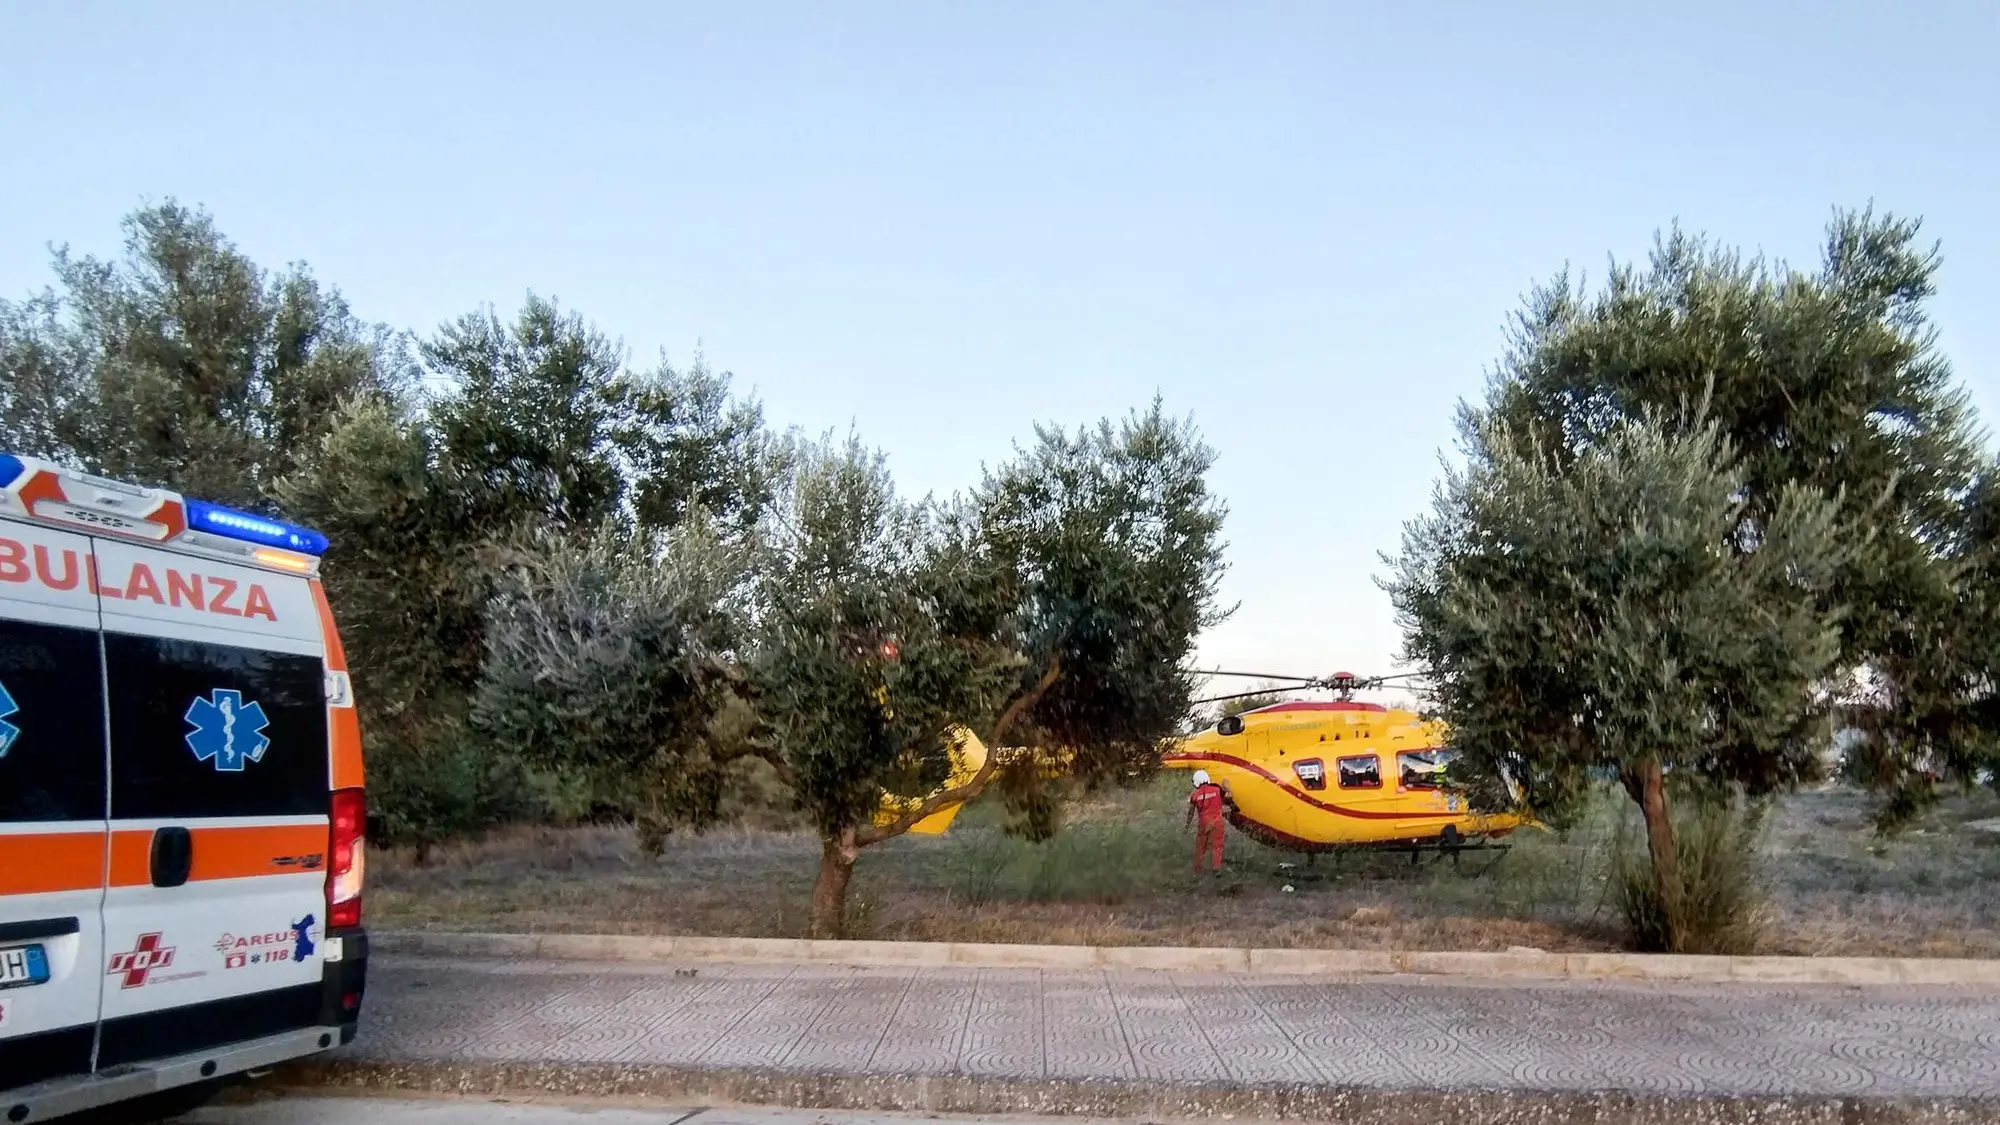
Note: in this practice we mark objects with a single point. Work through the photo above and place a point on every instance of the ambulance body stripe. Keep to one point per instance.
(228, 850)
(45, 862)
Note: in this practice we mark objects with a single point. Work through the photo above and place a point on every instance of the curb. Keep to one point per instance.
(1514, 965)
(1118, 1098)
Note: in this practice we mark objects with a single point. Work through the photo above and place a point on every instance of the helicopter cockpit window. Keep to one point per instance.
(1232, 724)
(1360, 773)
(1311, 773)
(1422, 769)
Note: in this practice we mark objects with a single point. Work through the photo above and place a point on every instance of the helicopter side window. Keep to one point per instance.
(1360, 773)
(1231, 724)
(1311, 773)
(1421, 769)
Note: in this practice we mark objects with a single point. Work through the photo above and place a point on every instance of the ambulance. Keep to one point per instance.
(181, 810)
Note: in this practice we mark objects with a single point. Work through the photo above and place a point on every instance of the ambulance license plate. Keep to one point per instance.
(23, 965)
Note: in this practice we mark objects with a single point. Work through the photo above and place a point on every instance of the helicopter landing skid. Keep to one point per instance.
(1450, 844)
(1439, 851)
(1446, 849)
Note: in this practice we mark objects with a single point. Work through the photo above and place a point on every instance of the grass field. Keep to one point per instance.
(1119, 875)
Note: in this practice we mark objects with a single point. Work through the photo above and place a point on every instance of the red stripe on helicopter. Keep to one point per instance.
(1272, 838)
(1338, 810)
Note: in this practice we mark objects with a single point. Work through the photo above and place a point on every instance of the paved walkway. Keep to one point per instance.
(405, 1111)
(1187, 1028)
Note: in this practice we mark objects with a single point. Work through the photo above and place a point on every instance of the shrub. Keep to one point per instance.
(1723, 906)
(454, 785)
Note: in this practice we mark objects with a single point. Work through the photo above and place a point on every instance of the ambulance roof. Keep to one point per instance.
(41, 492)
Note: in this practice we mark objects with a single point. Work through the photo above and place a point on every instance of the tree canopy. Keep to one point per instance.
(182, 363)
(1620, 612)
(1051, 609)
(1707, 509)
(539, 450)
(609, 660)
(1829, 379)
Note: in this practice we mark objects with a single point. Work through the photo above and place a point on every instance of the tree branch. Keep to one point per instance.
(754, 749)
(753, 744)
(959, 795)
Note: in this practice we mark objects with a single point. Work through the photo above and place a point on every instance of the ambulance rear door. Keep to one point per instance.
(52, 806)
(219, 801)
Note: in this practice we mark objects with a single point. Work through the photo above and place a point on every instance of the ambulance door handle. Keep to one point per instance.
(173, 856)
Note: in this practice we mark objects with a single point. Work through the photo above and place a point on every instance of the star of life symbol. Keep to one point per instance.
(227, 731)
(9, 733)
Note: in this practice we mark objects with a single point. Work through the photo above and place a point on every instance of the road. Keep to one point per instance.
(398, 1111)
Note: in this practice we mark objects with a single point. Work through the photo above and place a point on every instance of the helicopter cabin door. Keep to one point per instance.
(1420, 785)
(1256, 773)
(1304, 770)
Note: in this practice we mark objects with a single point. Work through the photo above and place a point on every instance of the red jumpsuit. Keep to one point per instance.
(1207, 803)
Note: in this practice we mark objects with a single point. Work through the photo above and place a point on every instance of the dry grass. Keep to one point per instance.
(1118, 875)
(1931, 892)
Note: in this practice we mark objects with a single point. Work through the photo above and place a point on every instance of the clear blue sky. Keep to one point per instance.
(1305, 223)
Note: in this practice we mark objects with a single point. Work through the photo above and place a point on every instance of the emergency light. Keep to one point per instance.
(232, 524)
(49, 492)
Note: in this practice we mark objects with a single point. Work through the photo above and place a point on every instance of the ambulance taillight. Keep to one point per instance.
(347, 860)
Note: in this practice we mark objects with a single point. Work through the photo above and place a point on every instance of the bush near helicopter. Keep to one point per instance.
(1307, 777)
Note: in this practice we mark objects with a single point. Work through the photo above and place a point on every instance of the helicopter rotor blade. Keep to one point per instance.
(1339, 682)
(1306, 679)
(1258, 676)
(1244, 695)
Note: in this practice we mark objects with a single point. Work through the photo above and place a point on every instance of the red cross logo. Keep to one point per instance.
(141, 961)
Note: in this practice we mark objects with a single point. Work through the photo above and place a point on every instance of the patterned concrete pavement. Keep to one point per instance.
(405, 1111)
(1211, 1030)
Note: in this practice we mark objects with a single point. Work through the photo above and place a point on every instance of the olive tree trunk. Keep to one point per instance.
(829, 896)
(1660, 844)
(838, 852)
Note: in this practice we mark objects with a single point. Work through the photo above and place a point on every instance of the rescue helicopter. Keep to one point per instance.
(966, 755)
(1313, 777)
(1308, 777)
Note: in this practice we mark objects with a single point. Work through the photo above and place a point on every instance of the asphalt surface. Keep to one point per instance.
(1214, 1030)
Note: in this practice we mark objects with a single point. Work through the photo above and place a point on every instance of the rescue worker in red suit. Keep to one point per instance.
(1205, 812)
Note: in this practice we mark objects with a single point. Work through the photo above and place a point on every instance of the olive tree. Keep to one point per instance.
(1050, 612)
(1827, 377)
(182, 363)
(1269, 697)
(1617, 611)
(536, 447)
(608, 660)
(881, 625)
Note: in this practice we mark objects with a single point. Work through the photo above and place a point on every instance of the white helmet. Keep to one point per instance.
(1200, 778)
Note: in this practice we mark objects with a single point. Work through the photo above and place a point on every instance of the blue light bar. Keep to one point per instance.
(10, 469)
(232, 524)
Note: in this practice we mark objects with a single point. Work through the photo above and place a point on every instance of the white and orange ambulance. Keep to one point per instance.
(181, 811)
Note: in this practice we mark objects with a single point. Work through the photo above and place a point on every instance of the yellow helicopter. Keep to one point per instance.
(1315, 777)
(1305, 777)
(966, 755)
